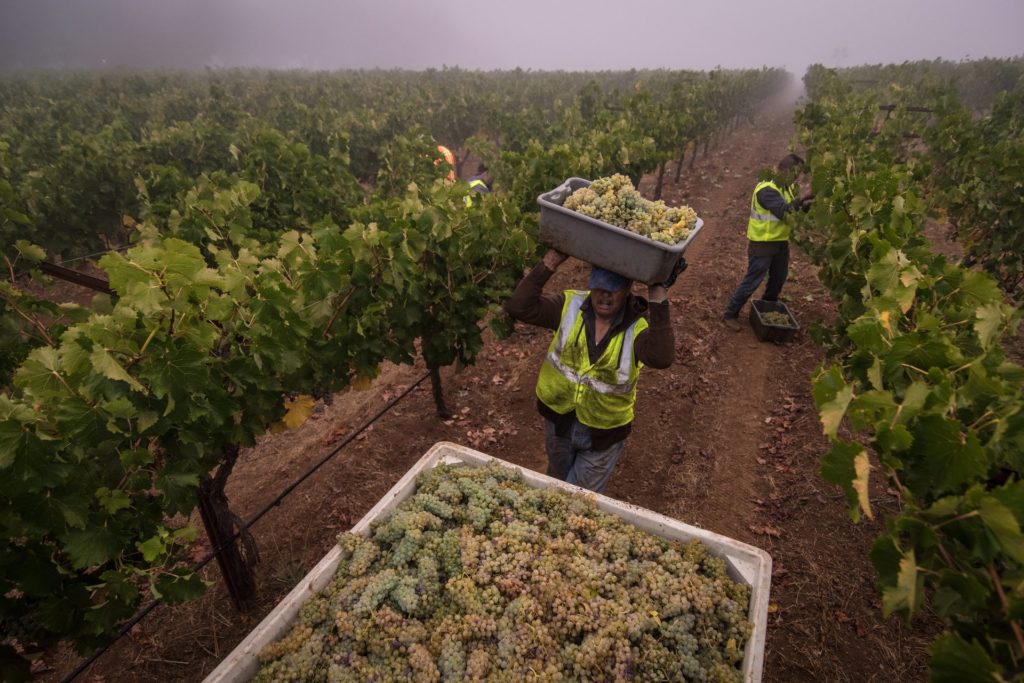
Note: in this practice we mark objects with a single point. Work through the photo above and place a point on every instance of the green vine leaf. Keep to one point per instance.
(91, 547)
(839, 466)
(111, 369)
(954, 660)
(988, 323)
(945, 458)
(1004, 525)
(832, 412)
(906, 594)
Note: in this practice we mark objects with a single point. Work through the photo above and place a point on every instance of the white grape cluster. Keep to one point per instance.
(615, 201)
(478, 577)
(777, 318)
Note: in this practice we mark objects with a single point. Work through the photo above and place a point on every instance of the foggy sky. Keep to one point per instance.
(589, 35)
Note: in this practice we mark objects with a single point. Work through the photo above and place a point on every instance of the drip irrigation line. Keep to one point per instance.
(65, 262)
(123, 247)
(344, 442)
(267, 508)
(99, 653)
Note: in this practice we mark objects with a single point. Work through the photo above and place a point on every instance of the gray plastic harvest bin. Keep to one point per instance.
(602, 244)
(746, 563)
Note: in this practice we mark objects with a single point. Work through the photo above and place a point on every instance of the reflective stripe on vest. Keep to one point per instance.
(764, 226)
(625, 357)
(473, 184)
(603, 393)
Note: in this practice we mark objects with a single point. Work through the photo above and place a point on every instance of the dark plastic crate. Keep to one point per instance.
(602, 244)
(765, 331)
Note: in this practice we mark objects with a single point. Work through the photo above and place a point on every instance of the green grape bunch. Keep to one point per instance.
(777, 318)
(615, 201)
(479, 577)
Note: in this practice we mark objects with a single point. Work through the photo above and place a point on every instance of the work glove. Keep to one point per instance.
(676, 270)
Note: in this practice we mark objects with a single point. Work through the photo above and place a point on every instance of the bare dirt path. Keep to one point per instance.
(726, 439)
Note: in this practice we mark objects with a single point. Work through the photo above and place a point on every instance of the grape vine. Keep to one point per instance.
(919, 388)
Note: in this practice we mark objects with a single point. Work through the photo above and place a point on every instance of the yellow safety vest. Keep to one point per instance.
(763, 226)
(473, 184)
(603, 393)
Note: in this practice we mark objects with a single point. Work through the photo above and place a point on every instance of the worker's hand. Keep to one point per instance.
(554, 258)
(803, 202)
(656, 293)
(676, 271)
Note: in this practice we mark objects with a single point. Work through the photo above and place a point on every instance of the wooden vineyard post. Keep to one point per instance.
(679, 164)
(236, 560)
(437, 391)
(661, 181)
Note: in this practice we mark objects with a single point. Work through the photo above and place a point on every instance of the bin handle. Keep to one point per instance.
(561, 193)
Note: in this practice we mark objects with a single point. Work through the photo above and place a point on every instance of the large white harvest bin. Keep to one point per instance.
(746, 563)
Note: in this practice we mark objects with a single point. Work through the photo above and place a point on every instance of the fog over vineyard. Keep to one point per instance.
(265, 263)
(600, 34)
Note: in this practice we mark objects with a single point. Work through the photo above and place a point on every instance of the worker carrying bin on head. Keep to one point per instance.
(586, 390)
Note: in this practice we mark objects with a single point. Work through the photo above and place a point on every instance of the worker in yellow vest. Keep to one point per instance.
(481, 182)
(586, 389)
(768, 236)
(448, 158)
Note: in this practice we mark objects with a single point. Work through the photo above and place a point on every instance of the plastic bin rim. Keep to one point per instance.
(678, 247)
(756, 305)
(241, 664)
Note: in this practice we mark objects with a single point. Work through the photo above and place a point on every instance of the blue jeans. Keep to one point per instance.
(571, 458)
(767, 258)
